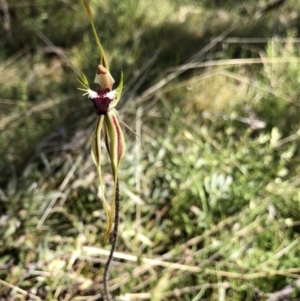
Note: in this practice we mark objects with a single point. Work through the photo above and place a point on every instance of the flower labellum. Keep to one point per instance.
(101, 101)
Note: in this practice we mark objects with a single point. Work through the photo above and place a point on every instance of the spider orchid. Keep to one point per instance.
(105, 99)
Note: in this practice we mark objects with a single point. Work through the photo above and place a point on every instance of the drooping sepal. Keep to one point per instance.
(116, 139)
(96, 155)
(115, 144)
(103, 59)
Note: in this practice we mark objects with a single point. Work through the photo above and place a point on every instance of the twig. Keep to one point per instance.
(238, 40)
(114, 238)
(19, 290)
(274, 5)
(286, 293)
(176, 292)
(292, 272)
(237, 62)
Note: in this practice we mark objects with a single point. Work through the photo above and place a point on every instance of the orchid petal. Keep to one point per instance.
(118, 93)
(84, 82)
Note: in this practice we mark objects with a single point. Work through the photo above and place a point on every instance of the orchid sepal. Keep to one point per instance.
(115, 144)
(96, 155)
(103, 59)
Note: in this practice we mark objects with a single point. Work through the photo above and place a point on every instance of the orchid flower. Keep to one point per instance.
(105, 100)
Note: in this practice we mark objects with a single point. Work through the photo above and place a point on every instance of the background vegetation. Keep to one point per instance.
(210, 198)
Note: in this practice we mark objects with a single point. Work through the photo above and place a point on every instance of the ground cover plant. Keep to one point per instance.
(209, 197)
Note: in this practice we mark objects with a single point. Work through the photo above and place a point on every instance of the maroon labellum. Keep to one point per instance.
(101, 102)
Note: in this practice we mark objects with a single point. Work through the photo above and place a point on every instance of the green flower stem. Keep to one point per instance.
(114, 238)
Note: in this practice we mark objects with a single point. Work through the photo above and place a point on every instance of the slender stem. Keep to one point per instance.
(114, 238)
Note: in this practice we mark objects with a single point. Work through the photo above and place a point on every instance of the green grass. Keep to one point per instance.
(209, 197)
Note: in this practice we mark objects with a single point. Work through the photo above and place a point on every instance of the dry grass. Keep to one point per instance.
(210, 192)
